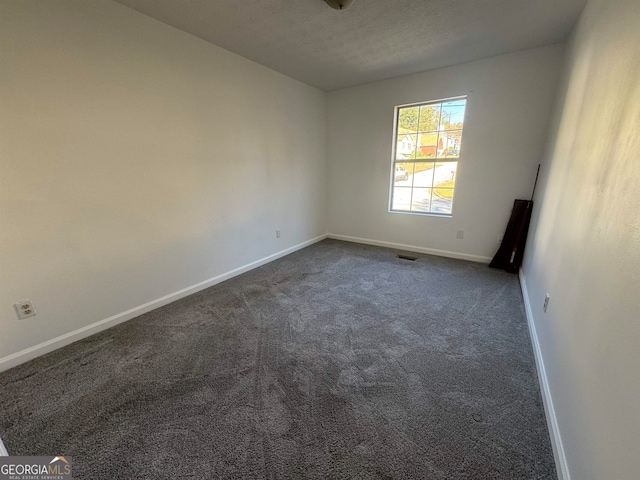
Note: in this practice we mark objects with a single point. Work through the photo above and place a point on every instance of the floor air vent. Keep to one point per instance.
(407, 257)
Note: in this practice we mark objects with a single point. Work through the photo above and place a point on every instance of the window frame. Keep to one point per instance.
(395, 161)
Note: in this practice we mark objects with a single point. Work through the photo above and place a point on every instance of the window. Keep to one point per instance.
(428, 137)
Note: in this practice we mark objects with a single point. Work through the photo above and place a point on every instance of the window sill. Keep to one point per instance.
(422, 214)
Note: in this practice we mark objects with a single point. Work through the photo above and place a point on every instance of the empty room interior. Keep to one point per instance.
(251, 239)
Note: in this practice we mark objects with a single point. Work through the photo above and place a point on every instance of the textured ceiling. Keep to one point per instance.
(372, 39)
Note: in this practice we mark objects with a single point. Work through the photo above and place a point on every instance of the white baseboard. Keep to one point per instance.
(30, 353)
(552, 421)
(3, 450)
(412, 248)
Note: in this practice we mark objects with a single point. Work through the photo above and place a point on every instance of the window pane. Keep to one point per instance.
(427, 145)
(401, 198)
(449, 144)
(408, 120)
(452, 116)
(441, 205)
(421, 201)
(444, 178)
(423, 174)
(403, 174)
(429, 117)
(406, 146)
(444, 174)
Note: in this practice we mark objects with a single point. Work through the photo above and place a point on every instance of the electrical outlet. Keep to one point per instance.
(500, 237)
(460, 234)
(278, 233)
(25, 309)
(546, 303)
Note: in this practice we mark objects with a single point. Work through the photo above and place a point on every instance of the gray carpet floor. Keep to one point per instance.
(338, 361)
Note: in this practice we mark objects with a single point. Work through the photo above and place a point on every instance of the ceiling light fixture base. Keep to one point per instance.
(338, 4)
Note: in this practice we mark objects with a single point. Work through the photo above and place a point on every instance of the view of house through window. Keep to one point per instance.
(428, 138)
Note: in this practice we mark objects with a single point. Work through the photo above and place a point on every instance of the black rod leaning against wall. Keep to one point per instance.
(511, 251)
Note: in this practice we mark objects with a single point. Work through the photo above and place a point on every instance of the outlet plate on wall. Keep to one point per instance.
(25, 309)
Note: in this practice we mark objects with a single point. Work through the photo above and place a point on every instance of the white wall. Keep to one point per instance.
(508, 109)
(584, 247)
(137, 160)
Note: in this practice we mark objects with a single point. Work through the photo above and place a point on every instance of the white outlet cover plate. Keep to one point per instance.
(25, 309)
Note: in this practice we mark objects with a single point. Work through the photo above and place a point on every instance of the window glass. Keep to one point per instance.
(427, 151)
